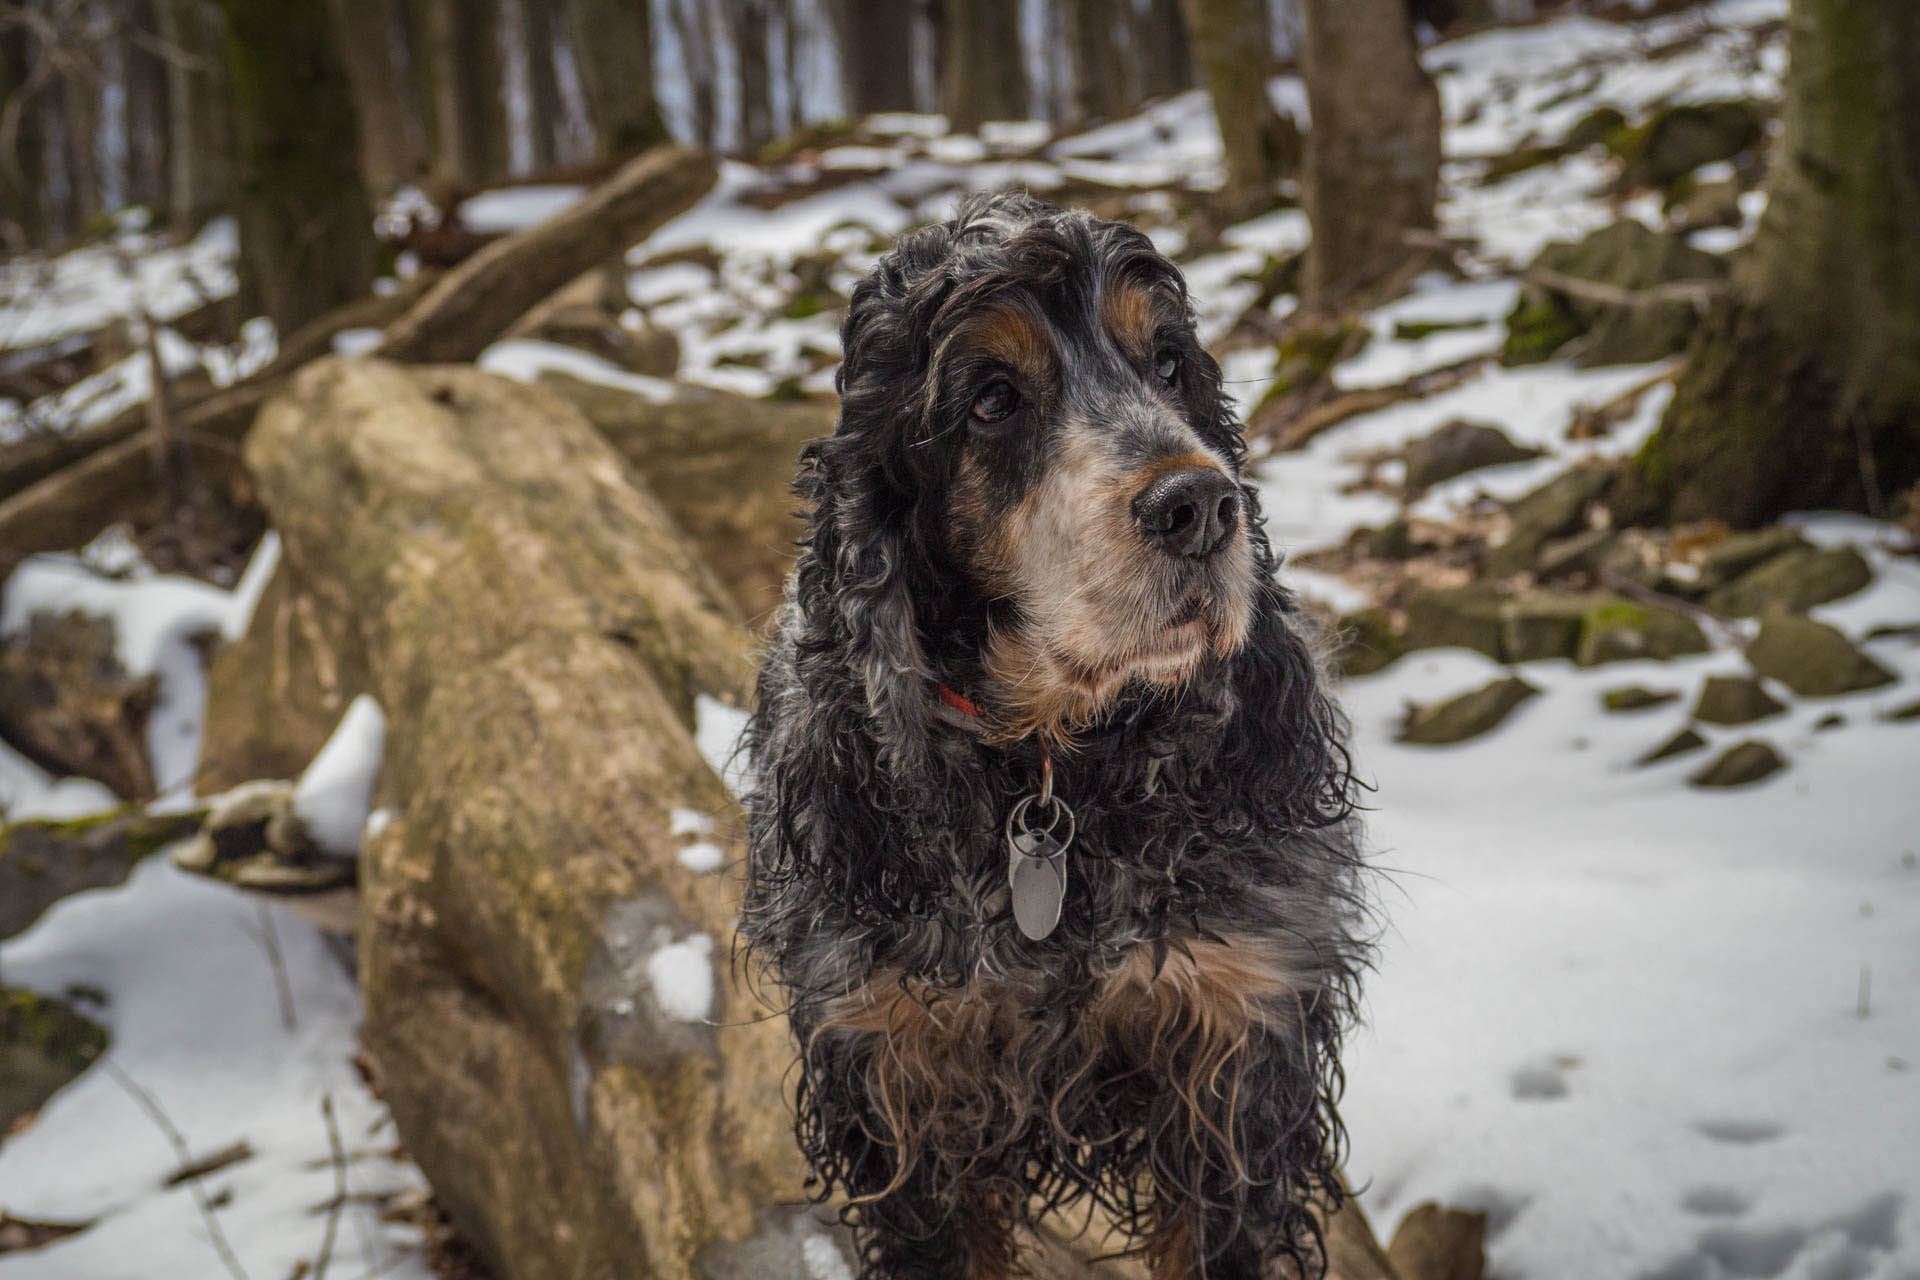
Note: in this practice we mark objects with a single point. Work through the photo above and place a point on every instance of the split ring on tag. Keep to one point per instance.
(1037, 862)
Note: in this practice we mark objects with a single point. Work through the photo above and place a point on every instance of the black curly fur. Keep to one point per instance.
(1220, 812)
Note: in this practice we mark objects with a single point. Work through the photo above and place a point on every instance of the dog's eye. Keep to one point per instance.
(1166, 367)
(996, 402)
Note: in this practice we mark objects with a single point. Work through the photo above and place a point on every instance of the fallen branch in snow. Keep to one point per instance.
(149, 1104)
(1699, 294)
(1300, 431)
(338, 1158)
(479, 299)
(269, 939)
(212, 1162)
(70, 488)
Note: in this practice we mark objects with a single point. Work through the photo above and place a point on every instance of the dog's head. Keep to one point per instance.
(1034, 471)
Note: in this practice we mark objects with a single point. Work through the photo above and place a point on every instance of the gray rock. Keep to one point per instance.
(1468, 715)
(1620, 630)
(1742, 764)
(1796, 580)
(1456, 448)
(1733, 700)
(1739, 552)
(1811, 658)
(1685, 742)
(1556, 509)
(44, 1044)
(1627, 255)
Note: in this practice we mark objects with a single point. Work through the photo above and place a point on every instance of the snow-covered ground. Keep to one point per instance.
(1658, 1033)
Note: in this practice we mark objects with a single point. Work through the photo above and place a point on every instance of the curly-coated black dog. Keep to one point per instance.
(1051, 845)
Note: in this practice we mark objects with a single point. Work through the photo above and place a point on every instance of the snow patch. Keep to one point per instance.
(334, 797)
(682, 977)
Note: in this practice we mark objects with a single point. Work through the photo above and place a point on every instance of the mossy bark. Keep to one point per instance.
(1373, 151)
(1233, 62)
(1804, 391)
(306, 224)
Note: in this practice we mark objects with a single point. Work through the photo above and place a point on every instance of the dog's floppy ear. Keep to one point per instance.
(863, 555)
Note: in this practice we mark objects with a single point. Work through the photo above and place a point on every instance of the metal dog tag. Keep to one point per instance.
(1037, 867)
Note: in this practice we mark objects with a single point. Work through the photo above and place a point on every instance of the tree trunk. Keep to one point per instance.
(149, 171)
(80, 121)
(306, 225)
(22, 146)
(543, 81)
(1373, 151)
(390, 133)
(1233, 64)
(983, 74)
(790, 115)
(749, 23)
(1095, 59)
(199, 134)
(613, 41)
(693, 25)
(1166, 56)
(458, 63)
(876, 55)
(1804, 391)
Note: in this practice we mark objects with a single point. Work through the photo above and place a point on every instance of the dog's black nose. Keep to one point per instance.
(1189, 513)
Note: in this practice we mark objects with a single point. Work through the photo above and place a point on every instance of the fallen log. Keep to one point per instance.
(28, 461)
(1300, 431)
(453, 317)
(722, 466)
(535, 630)
(479, 299)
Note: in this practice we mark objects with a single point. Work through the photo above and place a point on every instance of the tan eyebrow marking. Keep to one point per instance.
(1127, 311)
(1015, 339)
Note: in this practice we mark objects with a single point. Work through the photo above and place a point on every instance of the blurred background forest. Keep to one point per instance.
(398, 400)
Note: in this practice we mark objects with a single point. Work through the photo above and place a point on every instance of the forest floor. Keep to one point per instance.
(1656, 1032)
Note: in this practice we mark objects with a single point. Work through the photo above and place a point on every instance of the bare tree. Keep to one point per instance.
(1231, 45)
(1804, 391)
(199, 138)
(1096, 57)
(537, 44)
(693, 25)
(457, 57)
(1165, 54)
(306, 225)
(749, 26)
(392, 142)
(613, 42)
(983, 75)
(876, 54)
(1373, 151)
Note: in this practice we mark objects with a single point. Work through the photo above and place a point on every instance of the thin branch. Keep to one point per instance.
(147, 1103)
(339, 1156)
